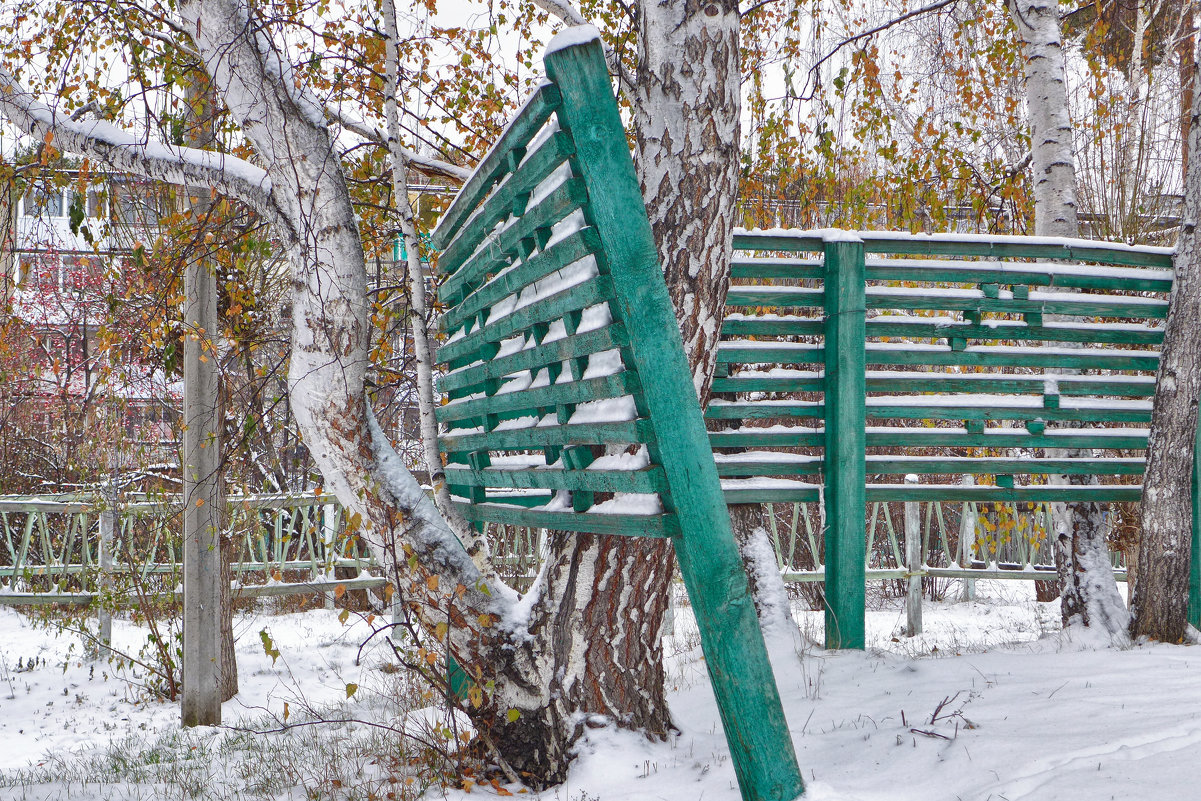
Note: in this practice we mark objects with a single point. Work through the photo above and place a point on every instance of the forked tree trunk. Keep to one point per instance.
(1087, 588)
(1160, 603)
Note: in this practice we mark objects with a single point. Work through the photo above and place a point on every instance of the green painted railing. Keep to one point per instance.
(61, 549)
(849, 361)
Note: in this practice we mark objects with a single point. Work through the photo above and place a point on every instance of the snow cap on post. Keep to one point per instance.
(570, 37)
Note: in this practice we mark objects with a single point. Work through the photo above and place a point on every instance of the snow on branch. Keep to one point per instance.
(123, 151)
(372, 134)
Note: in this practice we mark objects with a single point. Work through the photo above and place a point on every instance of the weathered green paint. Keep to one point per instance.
(844, 409)
(648, 480)
(709, 561)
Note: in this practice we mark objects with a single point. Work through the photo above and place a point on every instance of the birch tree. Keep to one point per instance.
(1088, 591)
(1161, 596)
(580, 649)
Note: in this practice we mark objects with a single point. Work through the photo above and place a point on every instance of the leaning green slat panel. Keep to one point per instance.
(582, 522)
(649, 480)
(546, 310)
(509, 197)
(708, 557)
(631, 432)
(572, 347)
(494, 165)
(590, 389)
(845, 445)
(561, 202)
(575, 246)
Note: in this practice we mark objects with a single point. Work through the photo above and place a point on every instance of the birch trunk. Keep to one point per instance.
(1160, 603)
(1088, 591)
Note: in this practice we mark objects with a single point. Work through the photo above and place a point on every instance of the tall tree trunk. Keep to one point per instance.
(1160, 603)
(1088, 590)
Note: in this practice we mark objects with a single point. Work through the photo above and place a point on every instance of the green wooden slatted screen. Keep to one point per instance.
(565, 377)
(983, 356)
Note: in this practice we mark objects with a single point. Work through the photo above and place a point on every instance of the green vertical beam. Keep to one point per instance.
(735, 654)
(845, 494)
(1194, 573)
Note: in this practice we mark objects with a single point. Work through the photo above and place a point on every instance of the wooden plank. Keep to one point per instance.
(925, 382)
(933, 299)
(922, 437)
(736, 656)
(1097, 493)
(494, 165)
(584, 523)
(845, 442)
(1011, 273)
(649, 480)
(797, 464)
(1011, 330)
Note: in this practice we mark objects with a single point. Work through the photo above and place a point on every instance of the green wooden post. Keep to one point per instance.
(735, 654)
(1194, 573)
(845, 468)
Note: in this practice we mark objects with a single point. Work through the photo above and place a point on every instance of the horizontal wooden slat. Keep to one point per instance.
(895, 382)
(1103, 493)
(915, 354)
(780, 464)
(580, 522)
(931, 299)
(495, 163)
(1125, 439)
(889, 326)
(648, 480)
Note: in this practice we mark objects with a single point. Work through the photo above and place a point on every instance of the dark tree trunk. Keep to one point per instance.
(1160, 603)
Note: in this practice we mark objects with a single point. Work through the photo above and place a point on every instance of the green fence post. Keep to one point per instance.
(845, 465)
(1194, 573)
(735, 654)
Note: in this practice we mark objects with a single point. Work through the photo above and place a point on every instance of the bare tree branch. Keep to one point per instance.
(372, 134)
(870, 32)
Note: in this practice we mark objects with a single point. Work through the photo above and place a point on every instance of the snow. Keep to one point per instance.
(1027, 712)
(571, 37)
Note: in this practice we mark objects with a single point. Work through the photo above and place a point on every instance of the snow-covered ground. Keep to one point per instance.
(993, 702)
